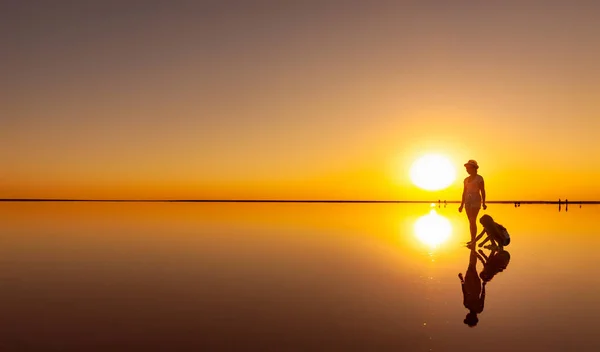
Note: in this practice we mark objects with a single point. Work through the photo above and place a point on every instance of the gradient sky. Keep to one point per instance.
(312, 99)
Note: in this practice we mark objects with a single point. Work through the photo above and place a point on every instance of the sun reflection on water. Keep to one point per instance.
(433, 229)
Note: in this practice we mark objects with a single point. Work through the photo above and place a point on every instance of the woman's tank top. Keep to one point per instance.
(472, 195)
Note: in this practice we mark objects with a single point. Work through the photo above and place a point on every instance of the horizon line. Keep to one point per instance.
(291, 201)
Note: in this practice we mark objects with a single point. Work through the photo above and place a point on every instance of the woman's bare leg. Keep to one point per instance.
(472, 215)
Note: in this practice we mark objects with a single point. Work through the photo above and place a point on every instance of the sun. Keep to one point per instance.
(433, 229)
(432, 172)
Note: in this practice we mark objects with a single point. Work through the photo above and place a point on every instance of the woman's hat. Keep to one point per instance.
(472, 163)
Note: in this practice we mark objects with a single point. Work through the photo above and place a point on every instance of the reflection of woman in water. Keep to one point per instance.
(473, 197)
(494, 264)
(473, 291)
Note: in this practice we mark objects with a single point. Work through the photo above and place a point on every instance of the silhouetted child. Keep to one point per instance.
(473, 291)
(496, 233)
(494, 264)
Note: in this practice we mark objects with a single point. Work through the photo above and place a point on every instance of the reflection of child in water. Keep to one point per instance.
(496, 233)
(494, 264)
(473, 291)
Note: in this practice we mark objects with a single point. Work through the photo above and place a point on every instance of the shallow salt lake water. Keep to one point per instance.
(273, 277)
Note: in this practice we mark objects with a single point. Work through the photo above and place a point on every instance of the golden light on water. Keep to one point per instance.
(433, 229)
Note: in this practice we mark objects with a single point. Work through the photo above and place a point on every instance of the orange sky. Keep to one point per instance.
(333, 100)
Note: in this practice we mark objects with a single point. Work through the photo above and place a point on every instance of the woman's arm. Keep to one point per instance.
(483, 194)
(462, 202)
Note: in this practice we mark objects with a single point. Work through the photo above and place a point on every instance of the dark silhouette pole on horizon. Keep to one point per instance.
(559, 203)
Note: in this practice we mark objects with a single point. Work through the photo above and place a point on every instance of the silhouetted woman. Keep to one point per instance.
(473, 291)
(473, 196)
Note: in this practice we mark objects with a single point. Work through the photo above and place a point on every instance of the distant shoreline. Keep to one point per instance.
(290, 201)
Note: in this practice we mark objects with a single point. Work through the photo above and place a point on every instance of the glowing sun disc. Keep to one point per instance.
(432, 172)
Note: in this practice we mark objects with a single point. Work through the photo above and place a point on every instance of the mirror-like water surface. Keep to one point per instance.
(369, 277)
